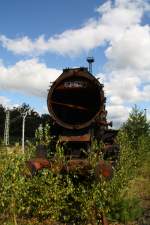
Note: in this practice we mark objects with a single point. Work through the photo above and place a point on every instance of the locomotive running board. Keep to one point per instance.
(80, 138)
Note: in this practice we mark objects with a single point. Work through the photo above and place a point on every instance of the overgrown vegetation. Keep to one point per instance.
(32, 123)
(51, 198)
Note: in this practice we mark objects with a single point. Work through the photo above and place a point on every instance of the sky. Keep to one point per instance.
(39, 38)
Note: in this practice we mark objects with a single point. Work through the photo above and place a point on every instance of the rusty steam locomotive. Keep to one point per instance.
(76, 104)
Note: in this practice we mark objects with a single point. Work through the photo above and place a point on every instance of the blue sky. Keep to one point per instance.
(38, 38)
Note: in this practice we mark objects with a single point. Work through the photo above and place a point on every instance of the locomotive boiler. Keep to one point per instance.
(76, 105)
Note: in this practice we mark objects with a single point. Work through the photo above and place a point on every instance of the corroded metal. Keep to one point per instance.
(79, 138)
(80, 166)
(76, 104)
(73, 91)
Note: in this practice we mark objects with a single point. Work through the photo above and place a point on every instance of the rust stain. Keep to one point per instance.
(69, 105)
(104, 168)
(38, 164)
(82, 138)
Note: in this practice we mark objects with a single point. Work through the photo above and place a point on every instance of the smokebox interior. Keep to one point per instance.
(75, 100)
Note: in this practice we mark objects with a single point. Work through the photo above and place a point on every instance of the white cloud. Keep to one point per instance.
(4, 101)
(146, 92)
(7, 103)
(30, 77)
(114, 20)
(125, 87)
(122, 13)
(20, 45)
(118, 114)
(132, 49)
(127, 71)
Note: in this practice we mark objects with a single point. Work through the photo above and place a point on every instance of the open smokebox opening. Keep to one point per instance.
(76, 100)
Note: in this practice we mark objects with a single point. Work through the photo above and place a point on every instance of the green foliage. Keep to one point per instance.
(70, 198)
(42, 135)
(32, 122)
(11, 186)
(117, 188)
(46, 194)
(126, 210)
(136, 126)
(2, 120)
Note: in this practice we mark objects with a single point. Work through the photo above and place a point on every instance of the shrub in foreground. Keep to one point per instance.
(68, 198)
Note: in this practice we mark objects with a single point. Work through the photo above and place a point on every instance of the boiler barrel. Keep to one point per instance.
(75, 98)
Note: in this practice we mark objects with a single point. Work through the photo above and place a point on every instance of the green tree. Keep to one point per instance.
(2, 120)
(137, 126)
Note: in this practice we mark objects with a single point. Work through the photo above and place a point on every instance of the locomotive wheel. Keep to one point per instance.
(111, 152)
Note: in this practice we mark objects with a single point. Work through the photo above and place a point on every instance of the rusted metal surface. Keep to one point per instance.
(111, 152)
(38, 164)
(104, 168)
(72, 85)
(79, 166)
(69, 105)
(81, 138)
(104, 123)
(82, 166)
(76, 104)
(75, 89)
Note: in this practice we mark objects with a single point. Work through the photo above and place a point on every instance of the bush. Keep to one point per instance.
(70, 198)
(136, 127)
